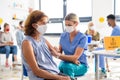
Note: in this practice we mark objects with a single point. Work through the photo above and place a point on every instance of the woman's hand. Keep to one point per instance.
(56, 49)
(76, 62)
(54, 52)
(64, 78)
(10, 43)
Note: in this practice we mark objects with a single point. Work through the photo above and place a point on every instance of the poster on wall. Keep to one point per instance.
(19, 4)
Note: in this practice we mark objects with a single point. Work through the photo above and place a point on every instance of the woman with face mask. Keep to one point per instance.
(91, 31)
(73, 43)
(9, 47)
(96, 37)
(37, 51)
(94, 34)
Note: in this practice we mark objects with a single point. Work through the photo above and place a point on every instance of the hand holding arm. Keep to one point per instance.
(58, 50)
(54, 52)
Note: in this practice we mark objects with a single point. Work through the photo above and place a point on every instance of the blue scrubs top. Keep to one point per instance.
(116, 31)
(80, 40)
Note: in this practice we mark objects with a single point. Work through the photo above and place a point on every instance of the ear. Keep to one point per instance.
(34, 25)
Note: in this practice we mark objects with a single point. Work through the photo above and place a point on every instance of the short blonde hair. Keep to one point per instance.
(72, 17)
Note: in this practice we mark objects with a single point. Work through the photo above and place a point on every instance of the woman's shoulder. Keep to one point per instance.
(81, 34)
(97, 33)
(28, 38)
(3, 34)
(64, 34)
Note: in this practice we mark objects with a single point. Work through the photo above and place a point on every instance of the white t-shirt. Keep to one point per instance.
(6, 37)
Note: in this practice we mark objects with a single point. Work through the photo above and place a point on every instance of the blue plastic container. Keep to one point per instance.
(89, 38)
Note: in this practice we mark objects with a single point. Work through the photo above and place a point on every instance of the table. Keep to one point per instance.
(94, 43)
(104, 53)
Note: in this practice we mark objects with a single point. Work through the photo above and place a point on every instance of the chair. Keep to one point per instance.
(0, 56)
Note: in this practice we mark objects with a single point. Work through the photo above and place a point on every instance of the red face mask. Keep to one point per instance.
(7, 29)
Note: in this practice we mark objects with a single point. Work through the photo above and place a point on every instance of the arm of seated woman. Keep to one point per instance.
(54, 52)
(30, 59)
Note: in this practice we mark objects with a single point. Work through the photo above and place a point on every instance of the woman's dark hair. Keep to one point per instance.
(33, 18)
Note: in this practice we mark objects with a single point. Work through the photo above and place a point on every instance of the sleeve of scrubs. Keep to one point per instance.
(83, 42)
(61, 38)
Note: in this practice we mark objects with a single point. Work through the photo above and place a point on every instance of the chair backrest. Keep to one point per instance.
(111, 42)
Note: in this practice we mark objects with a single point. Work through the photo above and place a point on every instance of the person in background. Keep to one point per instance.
(8, 45)
(37, 51)
(73, 43)
(2, 49)
(95, 35)
(115, 32)
(112, 23)
(91, 31)
(20, 34)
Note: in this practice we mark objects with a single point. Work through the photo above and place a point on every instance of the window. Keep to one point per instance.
(82, 8)
(58, 9)
(117, 9)
(55, 28)
(53, 8)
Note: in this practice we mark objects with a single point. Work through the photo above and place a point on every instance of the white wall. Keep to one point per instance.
(102, 8)
(8, 9)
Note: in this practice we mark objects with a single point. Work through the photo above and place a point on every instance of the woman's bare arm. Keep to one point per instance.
(54, 52)
(29, 56)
